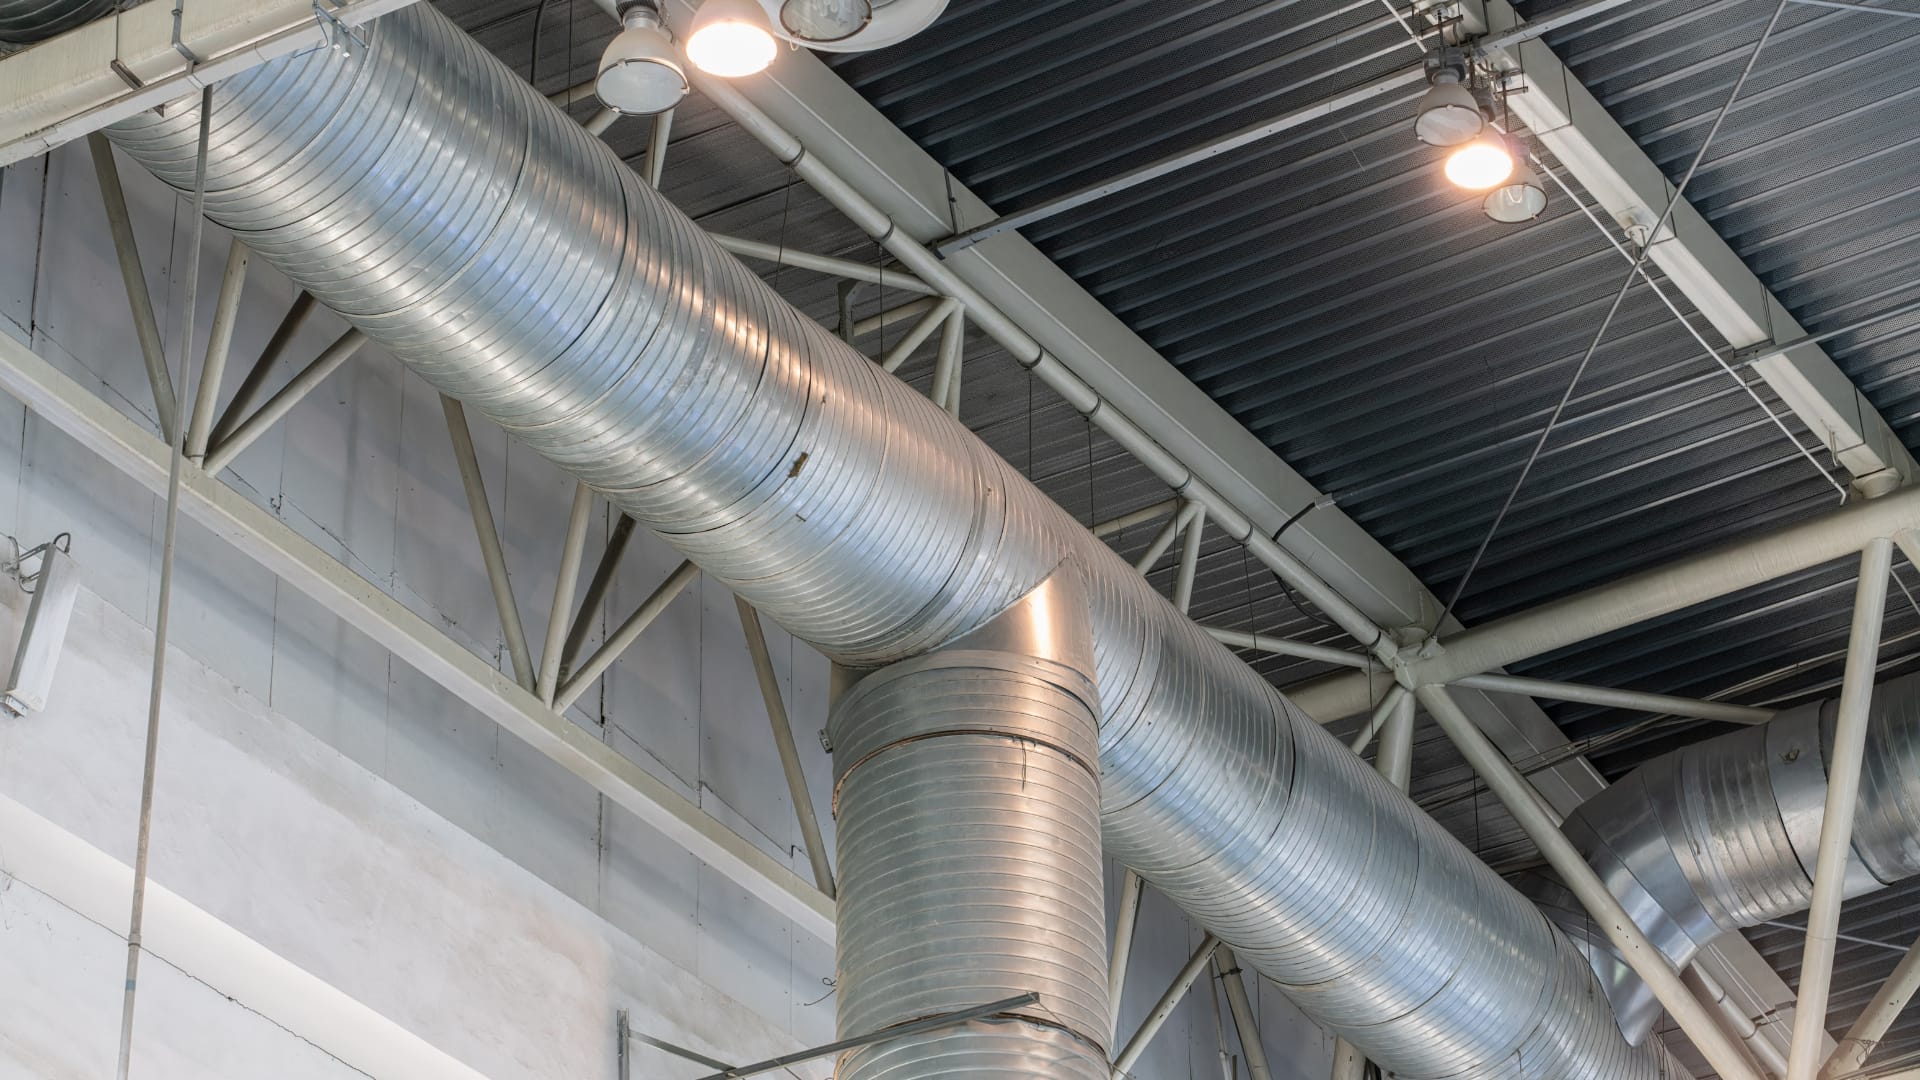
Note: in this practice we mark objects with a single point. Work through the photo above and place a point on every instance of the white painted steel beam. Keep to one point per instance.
(1572, 123)
(258, 535)
(67, 87)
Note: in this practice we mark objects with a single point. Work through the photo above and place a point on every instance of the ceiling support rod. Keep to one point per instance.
(1737, 1022)
(1617, 699)
(1382, 714)
(596, 594)
(1865, 1034)
(226, 311)
(1169, 1001)
(1164, 539)
(572, 549)
(1189, 568)
(1836, 823)
(937, 315)
(227, 448)
(127, 250)
(623, 638)
(1226, 967)
(1153, 512)
(781, 255)
(657, 136)
(1132, 887)
(1639, 953)
(1267, 643)
(945, 390)
(490, 550)
(783, 741)
(257, 376)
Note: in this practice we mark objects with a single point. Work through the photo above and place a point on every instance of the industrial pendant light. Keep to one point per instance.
(822, 21)
(640, 73)
(1520, 198)
(1481, 164)
(1448, 114)
(730, 38)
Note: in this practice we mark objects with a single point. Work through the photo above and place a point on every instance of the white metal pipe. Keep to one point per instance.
(1738, 1023)
(256, 378)
(176, 462)
(657, 136)
(596, 593)
(783, 741)
(946, 367)
(1381, 713)
(559, 615)
(1640, 954)
(1348, 1062)
(1153, 512)
(1836, 824)
(599, 122)
(1888, 1002)
(826, 264)
(227, 448)
(1661, 590)
(1909, 543)
(893, 316)
(936, 316)
(1131, 889)
(1163, 1009)
(1245, 1023)
(579, 91)
(153, 353)
(1189, 559)
(1394, 759)
(491, 552)
(226, 312)
(1618, 699)
(629, 632)
(1267, 643)
(1163, 539)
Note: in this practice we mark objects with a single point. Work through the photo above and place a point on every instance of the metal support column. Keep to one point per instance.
(1381, 714)
(226, 312)
(257, 376)
(1865, 1034)
(620, 640)
(1189, 559)
(1163, 1009)
(1131, 889)
(1628, 940)
(1163, 539)
(146, 327)
(1836, 824)
(596, 593)
(1245, 1024)
(490, 550)
(783, 740)
(945, 391)
(228, 447)
(558, 616)
(936, 316)
(656, 165)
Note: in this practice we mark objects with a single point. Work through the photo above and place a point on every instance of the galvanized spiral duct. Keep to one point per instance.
(1724, 834)
(967, 797)
(441, 205)
(23, 22)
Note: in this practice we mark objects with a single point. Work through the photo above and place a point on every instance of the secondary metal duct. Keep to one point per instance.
(968, 801)
(1724, 834)
(431, 197)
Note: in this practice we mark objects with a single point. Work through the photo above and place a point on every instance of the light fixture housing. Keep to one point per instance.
(1520, 199)
(730, 38)
(1448, 114)
(824, 21)
(640, 72)
(1482, 164)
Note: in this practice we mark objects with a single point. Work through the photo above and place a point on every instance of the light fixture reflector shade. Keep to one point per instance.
(640, 73)
(1448, 115)
(1481, 164)
(1522, 198)
(825, 20)
(730, 38)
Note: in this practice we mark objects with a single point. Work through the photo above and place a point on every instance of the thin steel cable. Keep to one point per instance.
(1619, 297)
(1707, 346)
(176, 459)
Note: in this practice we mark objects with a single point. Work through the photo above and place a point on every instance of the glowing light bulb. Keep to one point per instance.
(1480, 164)
(730, 38)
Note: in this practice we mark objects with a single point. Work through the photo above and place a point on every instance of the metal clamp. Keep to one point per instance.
(337, 35)
(180, 46)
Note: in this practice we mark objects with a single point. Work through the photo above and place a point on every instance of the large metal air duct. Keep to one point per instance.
(23, 22)
(424, 192)
(1724, 834)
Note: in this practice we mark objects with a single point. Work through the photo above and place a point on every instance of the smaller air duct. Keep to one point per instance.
(1724, 834)
(967, 797)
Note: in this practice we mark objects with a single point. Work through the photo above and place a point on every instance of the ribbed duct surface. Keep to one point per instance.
(23, 22)
(430, 196)
(967, 797)
(1724, 834)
